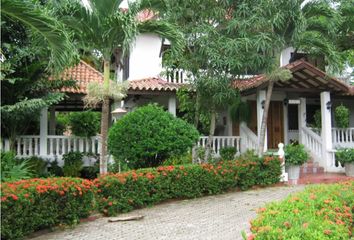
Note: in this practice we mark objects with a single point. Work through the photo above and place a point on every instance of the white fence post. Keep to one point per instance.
(43, 132)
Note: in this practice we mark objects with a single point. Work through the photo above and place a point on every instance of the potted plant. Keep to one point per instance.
(295, 156)
(346, 158)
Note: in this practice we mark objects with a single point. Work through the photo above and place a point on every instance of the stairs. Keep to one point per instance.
(312, 173)
(311, 167)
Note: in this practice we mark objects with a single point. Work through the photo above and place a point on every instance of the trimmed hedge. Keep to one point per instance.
(125, 191)
(30, 205)
(319, 212)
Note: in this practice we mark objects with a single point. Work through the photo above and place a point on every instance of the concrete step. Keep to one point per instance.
(310, 168)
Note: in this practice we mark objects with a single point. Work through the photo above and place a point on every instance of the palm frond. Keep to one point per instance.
(39, 21)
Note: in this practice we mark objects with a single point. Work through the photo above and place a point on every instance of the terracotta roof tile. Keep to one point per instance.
(294, 66)
(153, 84)
(83, 74)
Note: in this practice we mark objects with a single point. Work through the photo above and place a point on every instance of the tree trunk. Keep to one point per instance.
(265, 118)
(104, 131)
(105, 119)
(211, 134)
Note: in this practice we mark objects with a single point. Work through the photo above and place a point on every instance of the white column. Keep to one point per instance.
(326, 133)
(302, 118)
(43, 132)
(52, 121)
(261, 96)
(286, 124)
(172, 105)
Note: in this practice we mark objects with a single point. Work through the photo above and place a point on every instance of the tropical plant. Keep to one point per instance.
(12, 169)
(240, 112)
(39, 20)
(318, 119)
(228, 153)
(341, 116)
(38, 166)
(104, 27)
(25, 88)
(84, 124)
(309, 27)
(150, 135)
(345, 155)
(295, 154)
(72, 164)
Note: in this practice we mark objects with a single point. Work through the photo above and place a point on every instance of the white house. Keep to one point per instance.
(291, 111)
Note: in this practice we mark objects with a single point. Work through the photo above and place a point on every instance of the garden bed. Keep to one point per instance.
(319, 212)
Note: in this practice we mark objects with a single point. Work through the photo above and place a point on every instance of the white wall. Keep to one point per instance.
(285, 56)
(145, 60)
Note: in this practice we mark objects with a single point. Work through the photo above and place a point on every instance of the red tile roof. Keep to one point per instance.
(152, 84)
(83, 74)
(298, 65)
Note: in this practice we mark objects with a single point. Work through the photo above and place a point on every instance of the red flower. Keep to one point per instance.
(26, 195)
(327, 232)
(14, 197)
(110, 203)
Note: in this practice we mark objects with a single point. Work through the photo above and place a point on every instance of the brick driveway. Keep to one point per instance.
(213, 217)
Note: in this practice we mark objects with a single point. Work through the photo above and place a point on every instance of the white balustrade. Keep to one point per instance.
(332, 165)
(176, 75)
(57, 146)
(343, 137)
(219, 142)
(249, 140)
(312, 142)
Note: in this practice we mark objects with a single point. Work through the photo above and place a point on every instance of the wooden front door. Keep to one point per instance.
(275, 124)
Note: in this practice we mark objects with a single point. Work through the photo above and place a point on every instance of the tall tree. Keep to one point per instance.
(25, 88)
(102, 26)
(307, 27)
(219, 49)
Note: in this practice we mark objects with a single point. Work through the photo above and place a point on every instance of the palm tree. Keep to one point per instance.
(309, 28)
(102, 26)
(40, 22)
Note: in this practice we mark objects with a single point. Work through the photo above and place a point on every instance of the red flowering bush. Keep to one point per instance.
(126, 191)
(319, 212)
(33, 204)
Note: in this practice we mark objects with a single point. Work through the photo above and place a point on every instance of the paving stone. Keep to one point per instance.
(215, 217)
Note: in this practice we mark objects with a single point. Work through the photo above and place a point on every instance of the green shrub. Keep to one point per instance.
(319, 212)
(123, 192)
(84, 124)
(72, 164)
(55, 170)
(345, 155)
(30, 205)
(179, 160)
(38, 166)
(228, 153)
(295, 154)
(12, 169)
(62, 123)
(341, 116)
(148, 136)
(318, 119)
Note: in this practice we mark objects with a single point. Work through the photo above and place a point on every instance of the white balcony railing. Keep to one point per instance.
(312, 142)
(249, 140)
(176, 75)
(343, 137)
(219, 142)
(57, 146)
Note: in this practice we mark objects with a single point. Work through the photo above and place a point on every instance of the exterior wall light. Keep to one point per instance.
(329, 105)
(286, 102)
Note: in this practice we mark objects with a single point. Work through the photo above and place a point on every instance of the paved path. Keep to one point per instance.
(214, 217)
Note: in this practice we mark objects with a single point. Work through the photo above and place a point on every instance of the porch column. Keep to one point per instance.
(261, 96)
(172, 105)
(228, 124)
(302, 118)
(326, 132)
(43, 132)
(52, 121)
(286, 123)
